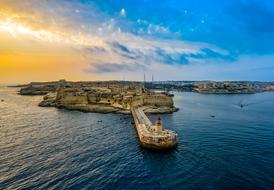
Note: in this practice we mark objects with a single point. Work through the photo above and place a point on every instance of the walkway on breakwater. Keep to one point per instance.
(152, 136)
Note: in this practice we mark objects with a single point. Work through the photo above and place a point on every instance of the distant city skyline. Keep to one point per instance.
(46, 40)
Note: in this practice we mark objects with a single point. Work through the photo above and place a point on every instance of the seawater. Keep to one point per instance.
(221, 146)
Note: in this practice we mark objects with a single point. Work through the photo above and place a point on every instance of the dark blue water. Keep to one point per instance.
(46, 148)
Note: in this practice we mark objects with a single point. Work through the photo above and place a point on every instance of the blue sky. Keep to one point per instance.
(170, 39)
(227, 23)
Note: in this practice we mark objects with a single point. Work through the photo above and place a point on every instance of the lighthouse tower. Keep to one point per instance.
(159, 125)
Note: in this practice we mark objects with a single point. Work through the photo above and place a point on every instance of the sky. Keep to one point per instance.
(45, 40)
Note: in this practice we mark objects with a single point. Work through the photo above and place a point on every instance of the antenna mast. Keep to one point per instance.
(144, 79)
(152, 80)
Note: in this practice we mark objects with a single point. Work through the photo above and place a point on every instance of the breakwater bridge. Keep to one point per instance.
(152, 136)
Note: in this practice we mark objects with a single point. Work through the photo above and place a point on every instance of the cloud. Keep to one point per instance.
(117, 45)
(123, 12)
(145, 27)
(115, 67)
(207, 53)
(169, 53)
(124, 51)
(111, 42)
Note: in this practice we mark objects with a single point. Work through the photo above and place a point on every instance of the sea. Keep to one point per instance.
(225, 142)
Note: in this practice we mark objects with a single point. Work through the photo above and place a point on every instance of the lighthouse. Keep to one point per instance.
(159, 125)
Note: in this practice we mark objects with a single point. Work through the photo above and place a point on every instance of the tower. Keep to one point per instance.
(152, 80)
(159, 124)
(144, 79)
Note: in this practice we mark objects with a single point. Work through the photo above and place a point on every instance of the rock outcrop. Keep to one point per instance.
(36, 88)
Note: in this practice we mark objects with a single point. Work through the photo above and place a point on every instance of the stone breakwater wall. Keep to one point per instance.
(152, 136)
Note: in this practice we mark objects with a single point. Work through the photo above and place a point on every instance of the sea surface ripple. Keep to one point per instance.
(221, 146)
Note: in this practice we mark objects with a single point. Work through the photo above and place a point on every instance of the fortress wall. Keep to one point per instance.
(117, 105)
(106, 100)
(158, 100)
(92, 98)
(137, 101)
(83, 97)
(69, 99)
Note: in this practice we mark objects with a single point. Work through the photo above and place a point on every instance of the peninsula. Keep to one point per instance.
(113, 97)
(102, 97)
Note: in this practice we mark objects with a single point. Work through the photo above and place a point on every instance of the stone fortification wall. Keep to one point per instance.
(137, 101)
(71, 97)
(158, 100)
(105, 100)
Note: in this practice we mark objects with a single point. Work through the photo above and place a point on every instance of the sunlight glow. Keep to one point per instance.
(17, 30)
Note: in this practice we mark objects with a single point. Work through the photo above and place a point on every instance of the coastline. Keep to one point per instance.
(100, 97)
(117, 96)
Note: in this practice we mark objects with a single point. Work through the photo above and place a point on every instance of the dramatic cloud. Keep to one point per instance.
(105, 37)
(116, 67)
(123, 12)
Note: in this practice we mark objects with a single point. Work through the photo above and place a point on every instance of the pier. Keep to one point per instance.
(152, 136)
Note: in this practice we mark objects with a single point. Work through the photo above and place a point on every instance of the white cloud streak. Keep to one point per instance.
(83, 30)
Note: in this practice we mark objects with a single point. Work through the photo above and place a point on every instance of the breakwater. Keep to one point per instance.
(152, 136)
